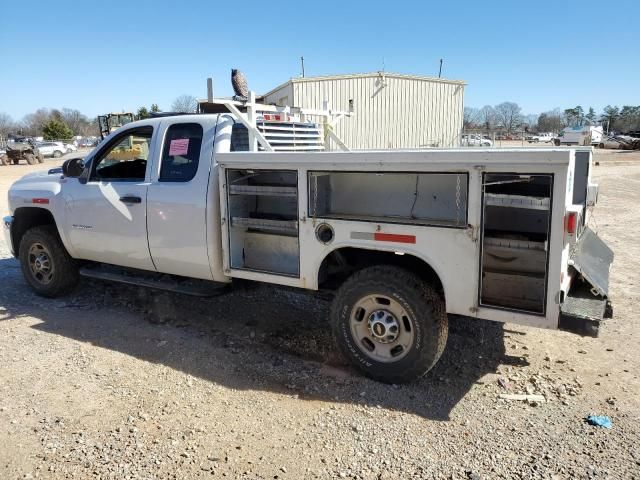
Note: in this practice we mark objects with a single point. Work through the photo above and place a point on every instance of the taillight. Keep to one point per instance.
(571, 222)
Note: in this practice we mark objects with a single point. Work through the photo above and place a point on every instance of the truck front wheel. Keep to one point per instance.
(46, 265)
(389, 323)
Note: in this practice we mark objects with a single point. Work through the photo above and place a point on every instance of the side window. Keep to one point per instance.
(126, 157)
(239, 138)
(181, 152)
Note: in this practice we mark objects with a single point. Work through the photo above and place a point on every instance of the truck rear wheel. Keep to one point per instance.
(46, 265)
(31, 159)
(389, 323)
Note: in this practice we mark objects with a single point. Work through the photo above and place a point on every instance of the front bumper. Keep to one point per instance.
(8, 222)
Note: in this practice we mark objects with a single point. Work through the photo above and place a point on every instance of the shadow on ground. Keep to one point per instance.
(262, 338)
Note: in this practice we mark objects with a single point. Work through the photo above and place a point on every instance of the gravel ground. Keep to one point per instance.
(119, 382)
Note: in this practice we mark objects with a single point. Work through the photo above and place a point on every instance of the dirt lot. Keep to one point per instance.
(116, 382)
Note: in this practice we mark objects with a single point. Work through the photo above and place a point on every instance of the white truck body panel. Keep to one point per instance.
(454, 253)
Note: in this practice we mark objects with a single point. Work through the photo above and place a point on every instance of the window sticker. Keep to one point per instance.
(179, 146)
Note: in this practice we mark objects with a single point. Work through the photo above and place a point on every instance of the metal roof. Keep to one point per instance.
(364, 75)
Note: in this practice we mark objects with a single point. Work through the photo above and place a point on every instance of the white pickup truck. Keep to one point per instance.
(400, 238)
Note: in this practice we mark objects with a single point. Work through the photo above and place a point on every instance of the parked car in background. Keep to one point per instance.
(586, 135)
(70, 147)
(52, 149)
(89, 142)
(473, 140)
(540, 138)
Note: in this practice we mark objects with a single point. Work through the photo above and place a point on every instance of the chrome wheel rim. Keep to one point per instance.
(381, 328)
(40, 264)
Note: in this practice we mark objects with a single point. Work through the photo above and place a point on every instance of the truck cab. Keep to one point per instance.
(400, 239)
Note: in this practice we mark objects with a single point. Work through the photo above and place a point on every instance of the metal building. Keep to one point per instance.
(391, 110)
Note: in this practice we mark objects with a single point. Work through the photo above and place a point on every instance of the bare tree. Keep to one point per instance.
(470, 117)
(509, 115)
(530, 121)
(185, 104)
(552, 121)
(7, 125)
(76, 120)
(34, 122)
(487, 117)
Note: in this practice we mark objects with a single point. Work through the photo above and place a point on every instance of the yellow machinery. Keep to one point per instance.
(112, 121)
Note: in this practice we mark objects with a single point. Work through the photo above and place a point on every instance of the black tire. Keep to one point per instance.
(425, 312)
(57, 154)
(64, 270)
(31, 159)
(40, 158)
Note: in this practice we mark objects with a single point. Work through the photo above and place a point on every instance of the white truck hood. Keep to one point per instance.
(34, 187)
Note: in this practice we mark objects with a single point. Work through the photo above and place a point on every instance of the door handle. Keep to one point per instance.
(130, 199)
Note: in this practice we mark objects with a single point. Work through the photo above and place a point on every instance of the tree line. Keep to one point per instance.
(52, 124)
(508, 117)
(65, 123)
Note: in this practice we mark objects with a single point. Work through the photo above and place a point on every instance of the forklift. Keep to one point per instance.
(110, 122)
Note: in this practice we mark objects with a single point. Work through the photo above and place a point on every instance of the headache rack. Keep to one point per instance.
(282, 136)
(274, 128)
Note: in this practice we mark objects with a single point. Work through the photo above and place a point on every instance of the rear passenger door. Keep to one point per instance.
(177, 198)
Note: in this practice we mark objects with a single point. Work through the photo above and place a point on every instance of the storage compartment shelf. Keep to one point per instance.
(264, 190)
(289, 227)
(263, 221)
(437, 199)
(390, 219)
(510, 290)
(516, 201)
(268, 252)
(515, 236)
(514, 243)
(514, 256)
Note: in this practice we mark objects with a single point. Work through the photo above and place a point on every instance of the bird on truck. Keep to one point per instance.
(239, 83)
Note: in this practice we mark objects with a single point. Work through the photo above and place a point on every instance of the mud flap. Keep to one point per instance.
(587, 303)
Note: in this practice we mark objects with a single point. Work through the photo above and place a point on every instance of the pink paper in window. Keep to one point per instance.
(179, 146)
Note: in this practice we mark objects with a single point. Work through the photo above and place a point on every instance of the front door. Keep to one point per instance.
(106, 217)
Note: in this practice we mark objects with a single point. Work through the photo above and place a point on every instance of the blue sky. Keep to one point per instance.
(110, 56)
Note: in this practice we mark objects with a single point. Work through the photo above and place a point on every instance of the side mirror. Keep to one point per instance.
(73, 167)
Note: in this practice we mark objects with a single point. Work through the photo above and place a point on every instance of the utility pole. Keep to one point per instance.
(440, 71)
(302, 63)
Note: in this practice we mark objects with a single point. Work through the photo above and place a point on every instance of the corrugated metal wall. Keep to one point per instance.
(390, 111)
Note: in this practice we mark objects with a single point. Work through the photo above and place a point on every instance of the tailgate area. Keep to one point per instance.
(587, 303)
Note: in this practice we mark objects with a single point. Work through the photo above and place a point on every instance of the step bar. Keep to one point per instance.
(169, 283)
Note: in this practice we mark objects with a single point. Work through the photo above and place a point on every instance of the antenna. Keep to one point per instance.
(302, 64)
(440, 71)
